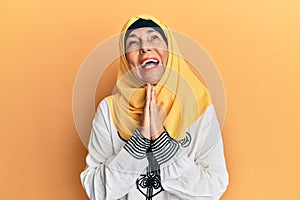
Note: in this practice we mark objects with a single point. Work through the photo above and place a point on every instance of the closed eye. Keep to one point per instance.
(132, 43)
(153, 37)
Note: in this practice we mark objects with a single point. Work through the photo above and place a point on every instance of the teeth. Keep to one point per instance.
(150, 60)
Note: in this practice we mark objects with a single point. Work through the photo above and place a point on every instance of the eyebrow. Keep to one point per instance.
(148, 32)
(132, 35)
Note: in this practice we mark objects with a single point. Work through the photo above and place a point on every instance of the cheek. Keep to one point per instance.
(132, 58)
(164, 57)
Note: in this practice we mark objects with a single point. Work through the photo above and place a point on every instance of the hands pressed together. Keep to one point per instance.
(152, 121)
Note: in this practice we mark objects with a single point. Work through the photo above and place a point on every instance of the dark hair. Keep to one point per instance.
(141, 23)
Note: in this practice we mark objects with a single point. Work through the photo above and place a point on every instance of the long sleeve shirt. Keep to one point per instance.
(164, 169)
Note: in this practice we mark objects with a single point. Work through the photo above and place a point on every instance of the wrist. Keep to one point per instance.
(145, 133)
(159, 133)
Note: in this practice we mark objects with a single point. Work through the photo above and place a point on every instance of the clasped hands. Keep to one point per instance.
(151, 121)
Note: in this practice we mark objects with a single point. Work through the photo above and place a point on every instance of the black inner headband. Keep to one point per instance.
(141, 23)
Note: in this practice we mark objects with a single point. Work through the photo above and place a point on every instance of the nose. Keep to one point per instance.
(145, 47)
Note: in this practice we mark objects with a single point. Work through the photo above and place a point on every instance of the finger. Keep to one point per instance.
(148, 100)
(148, 92)
(153, 106)
(153, 114)
(145, 129)
(153, 95)
(156, 126)
(152, 103)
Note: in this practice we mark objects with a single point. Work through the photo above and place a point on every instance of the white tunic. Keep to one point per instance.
(193, 168)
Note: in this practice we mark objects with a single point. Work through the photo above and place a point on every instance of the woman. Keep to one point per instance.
(157, 136)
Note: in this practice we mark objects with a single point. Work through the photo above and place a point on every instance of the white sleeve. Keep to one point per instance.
(200, 173)
(109, 174)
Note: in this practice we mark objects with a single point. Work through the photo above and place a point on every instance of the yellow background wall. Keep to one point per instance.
(255, 45)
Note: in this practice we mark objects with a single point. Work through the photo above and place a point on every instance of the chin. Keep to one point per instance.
(152, 82)
(151, 78)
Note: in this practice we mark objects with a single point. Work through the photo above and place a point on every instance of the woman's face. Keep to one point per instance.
(147, 54)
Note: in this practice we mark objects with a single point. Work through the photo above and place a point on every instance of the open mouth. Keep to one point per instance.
(148, 63)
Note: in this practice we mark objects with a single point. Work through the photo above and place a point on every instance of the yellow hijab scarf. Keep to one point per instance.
(181, 97)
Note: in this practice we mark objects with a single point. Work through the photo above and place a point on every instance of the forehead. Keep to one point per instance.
(141, 31)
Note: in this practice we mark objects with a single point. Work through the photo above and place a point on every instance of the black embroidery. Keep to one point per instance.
(137, 145)
(149, 184)
(121, 137)
(186, 141)
(164, 148)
